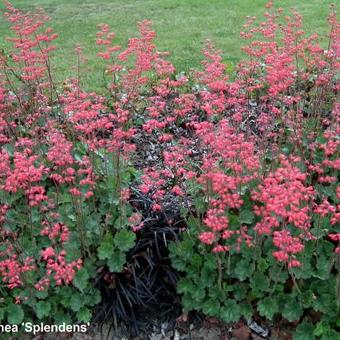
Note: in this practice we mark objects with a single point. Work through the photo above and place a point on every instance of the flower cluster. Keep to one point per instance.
(253, 158)
(285, 198)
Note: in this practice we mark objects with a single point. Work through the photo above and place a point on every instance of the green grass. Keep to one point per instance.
(181, 26)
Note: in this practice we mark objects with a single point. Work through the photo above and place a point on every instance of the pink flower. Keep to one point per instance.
(47, 253)
(207, 237)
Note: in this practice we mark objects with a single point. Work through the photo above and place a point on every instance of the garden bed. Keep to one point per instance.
(172, 205)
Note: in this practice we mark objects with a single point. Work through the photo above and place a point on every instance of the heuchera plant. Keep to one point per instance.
(64, 212)
(268, 222)
(252, 159)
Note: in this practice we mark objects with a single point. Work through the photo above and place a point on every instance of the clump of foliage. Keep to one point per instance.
(263, 237)
(251, 160)
(64, 177)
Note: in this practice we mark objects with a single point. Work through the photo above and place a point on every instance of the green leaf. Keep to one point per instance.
(210, 307)
(259, 282)
(209, 262)
(304, 331)
(41, 294)
(92, 298)
(84, 315)
(219, 294)
(322, 328)
(81, 279)
(125, 240)
(305, 271)
(331, 334)
(277, 274)
(199, 205)
(262, 265)
(63, 295)
(73, 251)
(292, 309)
(246, 310)
(60, 317)
(2, 313)
(42, 309)
(15, 314)
(185, 286)
(116, 261)
(240, 291)
(188, 304)
(231, 311)
(193, 223)
(207, 278)
(198, 294)
(185, 249)
(247, 217)
(76, 302)
(326, 303)
(105, 249)
(196, 262)
(177, 262)
(322, 266)
(307, 298)
(234, 220)
(268, 307)
(243, 269)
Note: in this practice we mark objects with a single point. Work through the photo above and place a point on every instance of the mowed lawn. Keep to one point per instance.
(181, 25)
